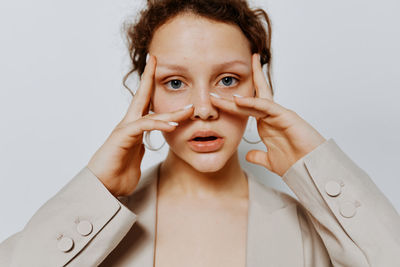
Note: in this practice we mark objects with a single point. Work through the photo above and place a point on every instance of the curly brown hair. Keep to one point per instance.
(139, 33)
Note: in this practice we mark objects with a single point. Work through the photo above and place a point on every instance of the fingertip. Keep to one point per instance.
(236, 100)
(171, 126)
(248, 157)
(149, 69)
(173, 123)
(188, 107)
(255, 57)
(215, 95)
(239, 99)
(151, 59)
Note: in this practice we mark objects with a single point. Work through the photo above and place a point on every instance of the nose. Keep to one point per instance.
(203, 108)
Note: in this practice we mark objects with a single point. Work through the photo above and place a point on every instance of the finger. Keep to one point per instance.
(140, 101)
(269, 107)
(141, 154)
(231, 107)
(132, 130)
(177, 115)
(145, 124)
(258, 157)
(260, 83)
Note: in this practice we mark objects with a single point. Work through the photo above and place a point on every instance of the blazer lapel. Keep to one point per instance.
(273, 236)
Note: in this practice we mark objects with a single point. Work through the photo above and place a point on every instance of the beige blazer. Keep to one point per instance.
(340, 219)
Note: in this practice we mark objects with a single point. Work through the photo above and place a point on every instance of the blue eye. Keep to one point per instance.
(228, 80)
(175, 84)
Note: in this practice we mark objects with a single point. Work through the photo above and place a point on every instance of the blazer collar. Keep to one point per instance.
(273, 233)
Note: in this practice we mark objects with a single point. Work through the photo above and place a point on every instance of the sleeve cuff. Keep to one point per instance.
(347, 207)
(68, 221)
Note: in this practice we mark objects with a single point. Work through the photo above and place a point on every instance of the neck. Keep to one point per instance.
(179, 178)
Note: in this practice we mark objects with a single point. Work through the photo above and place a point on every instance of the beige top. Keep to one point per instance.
(340, 218)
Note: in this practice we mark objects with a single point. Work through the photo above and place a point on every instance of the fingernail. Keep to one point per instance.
(215, 95)
(237, 95)
(147, 57)
(173, 123)
(188, 106)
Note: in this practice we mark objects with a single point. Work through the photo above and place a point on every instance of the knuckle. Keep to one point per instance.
(120, 125)
(154, 123)
(291, 112)
(148, 116)
(119, 128)
(149, 122)
(141, 122)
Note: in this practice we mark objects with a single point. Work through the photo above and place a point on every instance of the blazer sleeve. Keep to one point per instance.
(356, 222)
(79, 226)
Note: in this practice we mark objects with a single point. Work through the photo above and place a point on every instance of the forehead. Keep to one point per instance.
(198, 38)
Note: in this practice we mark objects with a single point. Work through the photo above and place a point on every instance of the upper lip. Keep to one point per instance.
(204, 133)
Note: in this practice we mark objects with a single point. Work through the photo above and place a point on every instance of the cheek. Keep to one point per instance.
(235, 125)
(166, 102)
(248, 88)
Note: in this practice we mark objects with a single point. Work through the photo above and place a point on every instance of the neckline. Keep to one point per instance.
(247, 175)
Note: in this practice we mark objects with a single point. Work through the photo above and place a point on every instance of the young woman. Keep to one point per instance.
(201, 82)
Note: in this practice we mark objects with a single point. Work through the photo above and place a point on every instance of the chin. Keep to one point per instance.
(207, 162)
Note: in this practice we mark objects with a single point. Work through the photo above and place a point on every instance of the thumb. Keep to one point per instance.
(258, 157)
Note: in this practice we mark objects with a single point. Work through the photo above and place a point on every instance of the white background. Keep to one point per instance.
(62, 62)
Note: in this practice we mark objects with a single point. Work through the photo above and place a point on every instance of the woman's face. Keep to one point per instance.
(196, 56)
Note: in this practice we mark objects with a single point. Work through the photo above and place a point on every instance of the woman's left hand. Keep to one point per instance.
(285, 134)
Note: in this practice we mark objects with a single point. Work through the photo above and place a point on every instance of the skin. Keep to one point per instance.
(200, 46)
(202, 197)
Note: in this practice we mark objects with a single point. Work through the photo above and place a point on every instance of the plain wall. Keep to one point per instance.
(62, 62)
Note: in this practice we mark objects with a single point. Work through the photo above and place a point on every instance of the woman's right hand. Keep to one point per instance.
(117, 162)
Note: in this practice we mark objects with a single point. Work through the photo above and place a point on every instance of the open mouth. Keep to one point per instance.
(206, 143)
(207, 138)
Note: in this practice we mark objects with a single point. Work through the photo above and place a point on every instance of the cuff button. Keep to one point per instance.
(84, 228)
(347, 209)
(65, 244)
(333, 188)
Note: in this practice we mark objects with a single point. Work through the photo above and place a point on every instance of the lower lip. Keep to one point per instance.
(206, 146)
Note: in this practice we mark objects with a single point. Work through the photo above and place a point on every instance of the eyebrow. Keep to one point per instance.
(216, 66)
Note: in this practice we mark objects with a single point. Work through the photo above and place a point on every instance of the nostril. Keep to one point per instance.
(199, 117)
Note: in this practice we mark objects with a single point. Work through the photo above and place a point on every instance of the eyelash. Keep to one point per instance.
(237, 80)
